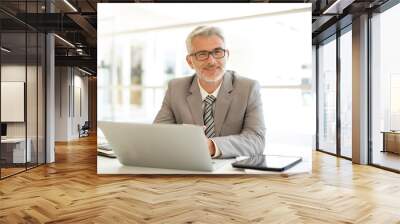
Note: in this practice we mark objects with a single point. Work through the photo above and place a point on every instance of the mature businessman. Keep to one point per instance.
(226, 104)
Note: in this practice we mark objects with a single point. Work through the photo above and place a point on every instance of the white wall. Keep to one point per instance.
(71, 94)
(80, 109)
(62, 81)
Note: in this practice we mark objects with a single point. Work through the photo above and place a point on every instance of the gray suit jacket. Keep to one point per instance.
(238, 116)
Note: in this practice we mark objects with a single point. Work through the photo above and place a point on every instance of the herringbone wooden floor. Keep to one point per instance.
(70, 191)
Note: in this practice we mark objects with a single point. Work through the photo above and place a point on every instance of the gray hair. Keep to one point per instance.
(203, 31)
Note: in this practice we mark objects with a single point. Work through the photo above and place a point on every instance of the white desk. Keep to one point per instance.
(18, 150)
(113, 166)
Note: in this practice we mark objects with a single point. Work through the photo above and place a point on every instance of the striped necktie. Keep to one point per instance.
(208, 116)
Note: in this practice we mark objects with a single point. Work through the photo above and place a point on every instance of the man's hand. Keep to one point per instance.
(211, 147)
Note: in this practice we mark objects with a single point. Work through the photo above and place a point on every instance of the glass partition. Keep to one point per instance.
(31, 100)
(327, 96)
(22, 90)
(346, 94)
(14, 153)
(41, 91)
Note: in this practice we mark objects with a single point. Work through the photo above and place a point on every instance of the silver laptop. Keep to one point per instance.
(169, 146)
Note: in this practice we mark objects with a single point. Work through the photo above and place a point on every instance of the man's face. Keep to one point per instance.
(210, 69)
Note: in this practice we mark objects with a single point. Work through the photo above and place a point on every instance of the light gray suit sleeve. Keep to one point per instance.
(166, 115)
(251, 141)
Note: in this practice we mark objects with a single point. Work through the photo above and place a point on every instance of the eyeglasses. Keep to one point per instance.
(217, 53)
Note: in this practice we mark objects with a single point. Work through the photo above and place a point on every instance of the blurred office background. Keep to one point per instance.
(141, 47)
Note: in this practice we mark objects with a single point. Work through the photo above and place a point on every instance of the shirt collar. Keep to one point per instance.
(204, 93)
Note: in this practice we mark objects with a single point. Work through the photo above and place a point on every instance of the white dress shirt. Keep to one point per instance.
(204, 94)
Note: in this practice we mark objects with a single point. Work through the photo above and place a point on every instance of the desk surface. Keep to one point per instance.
(390, 132)
(13, 140)
(113, 166)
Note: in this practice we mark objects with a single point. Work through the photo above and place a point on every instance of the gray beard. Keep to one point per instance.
(201, 77)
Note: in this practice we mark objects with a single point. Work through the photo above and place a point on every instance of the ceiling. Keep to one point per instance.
(76, 22)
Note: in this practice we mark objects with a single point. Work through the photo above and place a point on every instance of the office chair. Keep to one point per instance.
(84, 130)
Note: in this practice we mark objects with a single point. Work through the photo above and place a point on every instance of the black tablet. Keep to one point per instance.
(269, 163)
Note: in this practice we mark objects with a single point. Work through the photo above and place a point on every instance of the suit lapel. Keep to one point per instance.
(195, 102)
(223, 102)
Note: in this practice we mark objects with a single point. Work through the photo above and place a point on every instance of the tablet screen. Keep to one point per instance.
(270, 162)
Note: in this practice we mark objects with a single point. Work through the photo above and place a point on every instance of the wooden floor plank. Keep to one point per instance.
(70, 191)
